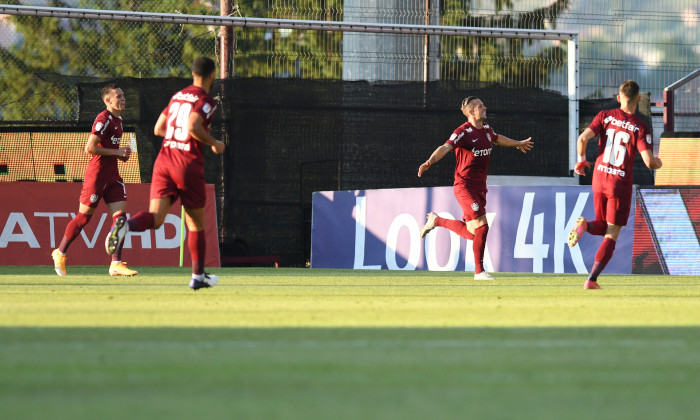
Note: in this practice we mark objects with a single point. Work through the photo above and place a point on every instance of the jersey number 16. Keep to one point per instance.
(615, 150)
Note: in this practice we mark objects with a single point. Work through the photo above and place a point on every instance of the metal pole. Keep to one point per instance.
(668, 110)
(226, 63)
(182, 19)
(426, 47)
(573, 80)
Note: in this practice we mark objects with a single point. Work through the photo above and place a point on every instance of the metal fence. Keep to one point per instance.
(655, 43)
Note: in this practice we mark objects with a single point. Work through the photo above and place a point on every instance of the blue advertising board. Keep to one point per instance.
(528, 231)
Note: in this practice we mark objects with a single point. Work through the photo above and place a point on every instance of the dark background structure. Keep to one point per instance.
(287, 138)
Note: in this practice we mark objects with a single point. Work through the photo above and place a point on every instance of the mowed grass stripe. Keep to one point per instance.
(341, 344)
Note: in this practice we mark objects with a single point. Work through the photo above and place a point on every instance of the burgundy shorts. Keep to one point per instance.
(186, 183)
(473, 203)
(98, 189)
(612, 208)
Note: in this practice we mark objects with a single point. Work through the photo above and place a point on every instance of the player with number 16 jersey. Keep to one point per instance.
(621, 136)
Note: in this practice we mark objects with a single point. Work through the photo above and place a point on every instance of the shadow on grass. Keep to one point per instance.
(339, 373)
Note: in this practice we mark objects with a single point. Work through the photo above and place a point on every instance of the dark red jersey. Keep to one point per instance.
(179, 147)
(621, 136)
(109, 129)
(472, 147)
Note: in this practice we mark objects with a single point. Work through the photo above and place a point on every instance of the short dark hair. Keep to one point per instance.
(109, 88)
(630, 89)
(469, 99)
(203, 66)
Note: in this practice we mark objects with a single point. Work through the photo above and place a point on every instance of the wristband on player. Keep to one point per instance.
(581, 159)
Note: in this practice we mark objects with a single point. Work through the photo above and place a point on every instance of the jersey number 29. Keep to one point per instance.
(178, 116)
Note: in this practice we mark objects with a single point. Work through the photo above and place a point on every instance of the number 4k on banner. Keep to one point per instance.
(538, 251)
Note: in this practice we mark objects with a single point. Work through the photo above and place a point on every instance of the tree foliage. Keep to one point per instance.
(47, 47)
(501, 60)
(93, 48)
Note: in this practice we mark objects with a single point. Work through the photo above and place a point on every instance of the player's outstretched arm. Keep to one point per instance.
(438, 154)
(522, 145)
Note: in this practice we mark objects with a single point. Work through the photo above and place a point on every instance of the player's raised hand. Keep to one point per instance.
(218, 147)
(580, 167)
(525, 145)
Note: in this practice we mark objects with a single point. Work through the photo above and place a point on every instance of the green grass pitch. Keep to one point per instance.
(341, 344)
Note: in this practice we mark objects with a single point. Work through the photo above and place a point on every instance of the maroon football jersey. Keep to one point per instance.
(472, 147)
(109, 129)
(179, 147)
(621, 135)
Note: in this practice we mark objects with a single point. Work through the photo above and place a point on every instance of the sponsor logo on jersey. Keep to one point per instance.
(180, 96)
(475, 206)
(116, 140)
(625, 125)
(456, 137)
(611, 171)
(481, 152)
(94, 198)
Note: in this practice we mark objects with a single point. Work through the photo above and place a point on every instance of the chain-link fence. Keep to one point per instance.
(652, 42)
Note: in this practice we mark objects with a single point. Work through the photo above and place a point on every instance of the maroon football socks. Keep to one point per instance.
(141, 221)
(456, 226)
(197, 246)
(73, 230)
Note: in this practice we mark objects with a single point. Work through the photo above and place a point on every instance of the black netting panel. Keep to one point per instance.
(289, 137)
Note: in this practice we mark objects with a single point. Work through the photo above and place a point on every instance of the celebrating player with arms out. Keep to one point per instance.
(102, 180)
(179, 168)
(622, 133)
(472, 143)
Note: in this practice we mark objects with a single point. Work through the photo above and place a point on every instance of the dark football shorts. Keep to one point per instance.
(98, 189)
(612, 208)
(473, 203)
(186, 183)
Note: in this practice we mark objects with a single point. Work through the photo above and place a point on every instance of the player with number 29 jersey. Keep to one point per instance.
(179, 168)
(621, 136)
(178, 145)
